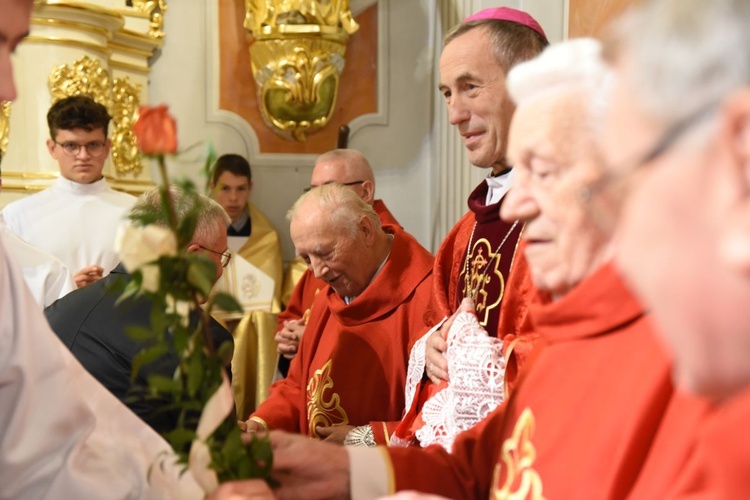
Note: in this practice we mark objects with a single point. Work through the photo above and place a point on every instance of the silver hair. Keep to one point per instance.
(685, 54)
(344, 207)
(211, 216)
(574, 63)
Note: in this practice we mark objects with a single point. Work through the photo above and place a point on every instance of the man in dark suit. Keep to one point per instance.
(91, 323)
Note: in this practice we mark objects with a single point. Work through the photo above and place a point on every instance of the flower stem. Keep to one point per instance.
(168, 196)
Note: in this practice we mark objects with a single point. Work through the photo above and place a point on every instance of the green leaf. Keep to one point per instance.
(186, 228)
(225, 352)
(179, 437)
(162, 384)
(139, 333)
(201, 274)
(147, 356)
(131, 289)
(195, 372)
(226, 302)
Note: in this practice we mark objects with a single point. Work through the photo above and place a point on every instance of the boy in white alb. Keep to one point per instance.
(77, 217)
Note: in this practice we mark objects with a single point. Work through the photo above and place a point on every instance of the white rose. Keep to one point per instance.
(150, 277)
(139, 246)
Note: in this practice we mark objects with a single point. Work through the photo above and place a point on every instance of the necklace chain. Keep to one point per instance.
(469, 252)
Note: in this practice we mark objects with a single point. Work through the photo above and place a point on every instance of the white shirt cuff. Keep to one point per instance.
(370, 473)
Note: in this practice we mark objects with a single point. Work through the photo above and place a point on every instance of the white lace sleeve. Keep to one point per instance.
(476, 370)
(415, 370)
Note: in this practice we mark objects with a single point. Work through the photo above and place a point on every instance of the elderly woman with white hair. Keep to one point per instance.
(583, 417)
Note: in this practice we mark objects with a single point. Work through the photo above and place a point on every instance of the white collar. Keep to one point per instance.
(498, 186)
(73, 187)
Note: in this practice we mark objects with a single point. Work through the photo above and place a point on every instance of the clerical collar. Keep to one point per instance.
(499, 185)
(348, 300)
(74, 187)
(240, 222)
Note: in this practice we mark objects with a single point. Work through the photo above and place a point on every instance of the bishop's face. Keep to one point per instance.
(473, 84)
(14, 25)
(552, 150)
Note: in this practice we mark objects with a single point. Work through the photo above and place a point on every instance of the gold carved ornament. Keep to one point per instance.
(517, 457)
(125, 103)
(297, 56)
(4, 127)
(322, 412)
(155, 10)
(121, 98)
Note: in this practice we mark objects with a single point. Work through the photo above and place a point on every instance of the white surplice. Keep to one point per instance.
(74, 222)
(62, 435)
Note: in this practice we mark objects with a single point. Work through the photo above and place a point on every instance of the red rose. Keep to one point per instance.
(155, 131)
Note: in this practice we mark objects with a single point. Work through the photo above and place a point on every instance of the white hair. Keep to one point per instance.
(574, 63)
(685, 54)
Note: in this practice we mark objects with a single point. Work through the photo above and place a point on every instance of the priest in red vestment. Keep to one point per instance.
(478, 258)
(351, 364)
(685, 227)
(343, 166)
(583, 417)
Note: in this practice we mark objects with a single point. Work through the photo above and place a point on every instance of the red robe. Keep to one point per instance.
(308, 285)
(502, 304)
(720, 464)
(351, 363)
(582, 418)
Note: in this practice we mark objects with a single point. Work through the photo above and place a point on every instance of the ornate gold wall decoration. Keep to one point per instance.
(4, 127)
(125, 103)
(155, 9)
(85, 76)
(297, 57)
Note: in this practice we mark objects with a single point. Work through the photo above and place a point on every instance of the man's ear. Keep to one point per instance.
(193, 247)
(51, 148)
(368, 230)
(368, 188)
(736, 127)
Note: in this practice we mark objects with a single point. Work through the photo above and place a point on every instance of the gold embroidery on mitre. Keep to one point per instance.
(518, 456)
(322, 412)
(483, 268)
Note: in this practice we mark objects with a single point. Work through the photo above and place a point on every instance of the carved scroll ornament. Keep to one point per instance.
(297, 58)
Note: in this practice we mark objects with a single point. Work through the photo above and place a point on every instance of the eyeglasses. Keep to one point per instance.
(225, 256)
(95, 148)
(664, 144)
(353, 183)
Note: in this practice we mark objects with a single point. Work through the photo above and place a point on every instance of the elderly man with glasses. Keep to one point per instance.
(92, 323)
(77, 217)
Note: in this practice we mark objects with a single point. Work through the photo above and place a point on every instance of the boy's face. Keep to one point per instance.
(84, 166)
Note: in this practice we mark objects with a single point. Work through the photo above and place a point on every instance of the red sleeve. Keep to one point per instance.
(382, 431)
(466, 473)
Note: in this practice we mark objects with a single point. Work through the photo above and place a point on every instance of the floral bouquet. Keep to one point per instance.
(206, 438)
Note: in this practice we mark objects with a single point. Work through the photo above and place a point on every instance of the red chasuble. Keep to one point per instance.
(582, 418)
(308, 286)
(502, 298)
(351, 364)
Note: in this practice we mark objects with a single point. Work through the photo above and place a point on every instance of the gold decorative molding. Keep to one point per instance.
(70, 42)
(155, 10)
(84, 76)
(4, 127)
(297, 58)
(125, 102)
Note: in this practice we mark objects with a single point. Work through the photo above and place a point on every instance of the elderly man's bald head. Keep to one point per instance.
(348, 167)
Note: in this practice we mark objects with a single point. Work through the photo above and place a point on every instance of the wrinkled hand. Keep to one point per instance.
(308, 468)
(287, 339)
(436, 366)
(250, 489)
(334, 434)
(88, 275)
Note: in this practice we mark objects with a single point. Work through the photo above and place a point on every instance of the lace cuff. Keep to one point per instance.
(360, 436)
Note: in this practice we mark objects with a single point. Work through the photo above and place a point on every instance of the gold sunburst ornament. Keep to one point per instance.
(4, 127)
(297, 57)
